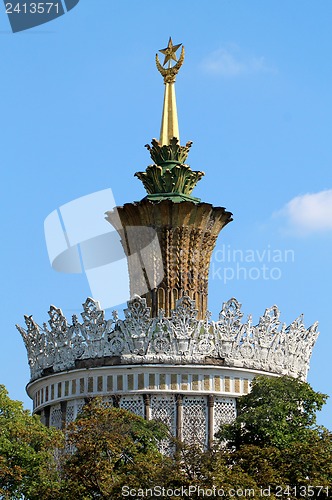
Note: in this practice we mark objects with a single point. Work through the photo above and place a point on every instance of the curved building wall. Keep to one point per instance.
(192, 400)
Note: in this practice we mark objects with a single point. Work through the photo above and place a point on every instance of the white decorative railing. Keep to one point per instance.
(182, 338)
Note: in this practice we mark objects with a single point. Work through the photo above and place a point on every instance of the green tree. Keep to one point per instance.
(309, 462)
(275, 440)
(207, 470)
(277, 412)
(28, 468)
(111, 448)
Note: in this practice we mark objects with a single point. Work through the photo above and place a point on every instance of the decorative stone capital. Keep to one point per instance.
(210, 401)
(179, 399)
(116, 398)
(147, 399)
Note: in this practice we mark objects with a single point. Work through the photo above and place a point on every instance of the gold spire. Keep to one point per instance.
(169, 121)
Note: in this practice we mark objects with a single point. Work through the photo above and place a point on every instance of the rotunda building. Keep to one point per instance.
(166, 359)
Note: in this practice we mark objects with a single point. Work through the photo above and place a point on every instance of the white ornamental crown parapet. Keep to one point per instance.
(180, 339)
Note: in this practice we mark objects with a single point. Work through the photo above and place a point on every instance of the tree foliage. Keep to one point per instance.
(111, 447)
(275, 438)
(304, 470)
(273, 443)
(277, 412)
(27, 461)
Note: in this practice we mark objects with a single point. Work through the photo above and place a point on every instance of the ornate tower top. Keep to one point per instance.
(169, 121)
(186, 228)
(169, 177)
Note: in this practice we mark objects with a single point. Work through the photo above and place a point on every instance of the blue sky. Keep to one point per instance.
(80, 98)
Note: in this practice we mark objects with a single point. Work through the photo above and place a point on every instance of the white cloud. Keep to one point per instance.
(309, 213)
(232, 62)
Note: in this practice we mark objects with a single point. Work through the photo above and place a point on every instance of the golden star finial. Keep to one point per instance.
(170, 51)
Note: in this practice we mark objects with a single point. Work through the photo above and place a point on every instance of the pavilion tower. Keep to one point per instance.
(166, 359)
(185, 229)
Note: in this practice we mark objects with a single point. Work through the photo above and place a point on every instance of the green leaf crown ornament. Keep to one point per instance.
(169, 176)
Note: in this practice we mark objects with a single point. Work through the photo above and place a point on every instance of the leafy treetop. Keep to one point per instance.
(277, 412)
